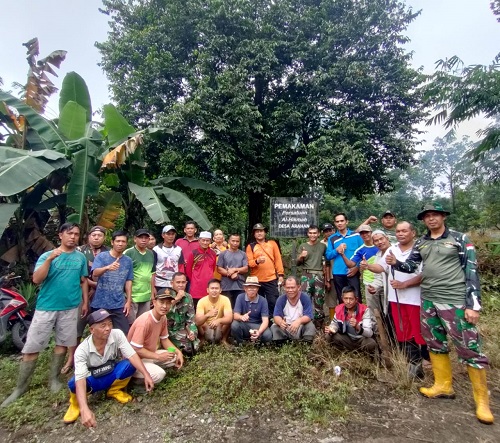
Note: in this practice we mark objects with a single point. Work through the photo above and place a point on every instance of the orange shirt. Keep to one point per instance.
(273, 265)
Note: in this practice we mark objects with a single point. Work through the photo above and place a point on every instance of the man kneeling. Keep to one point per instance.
(97, 368)
(144, 334)
(251, 315)
(352, 326)
(214, 315)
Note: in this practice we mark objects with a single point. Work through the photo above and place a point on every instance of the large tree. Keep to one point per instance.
(270, 97)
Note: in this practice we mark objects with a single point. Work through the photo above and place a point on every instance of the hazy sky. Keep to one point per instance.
(466, 28)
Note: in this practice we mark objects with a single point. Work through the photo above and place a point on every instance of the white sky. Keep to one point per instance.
(466, 28)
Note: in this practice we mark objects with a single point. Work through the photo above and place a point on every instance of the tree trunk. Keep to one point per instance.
(255, 211)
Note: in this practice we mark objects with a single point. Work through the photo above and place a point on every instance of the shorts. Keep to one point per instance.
(63, 322)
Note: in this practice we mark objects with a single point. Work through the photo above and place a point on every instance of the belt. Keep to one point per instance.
(313, 271)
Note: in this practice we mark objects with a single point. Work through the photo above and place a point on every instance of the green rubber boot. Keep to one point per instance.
(26, 370)
(55, 369)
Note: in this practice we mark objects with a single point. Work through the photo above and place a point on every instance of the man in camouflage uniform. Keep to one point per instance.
(450, 305)
(312, 259)
(181, 326)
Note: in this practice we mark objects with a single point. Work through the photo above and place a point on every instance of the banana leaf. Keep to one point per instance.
(189, 207)
(151, 202)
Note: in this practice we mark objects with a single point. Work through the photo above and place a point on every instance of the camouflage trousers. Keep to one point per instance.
(440, 320)
(180, 340)
(314, 286)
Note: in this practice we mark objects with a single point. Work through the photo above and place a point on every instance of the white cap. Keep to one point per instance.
(205, 234)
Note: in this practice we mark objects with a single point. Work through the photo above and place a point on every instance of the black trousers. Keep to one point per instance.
(341, 281)
(269, 290)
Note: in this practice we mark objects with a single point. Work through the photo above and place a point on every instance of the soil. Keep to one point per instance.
(377, 415)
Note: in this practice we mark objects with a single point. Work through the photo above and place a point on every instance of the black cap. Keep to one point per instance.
(98, 316)
(140, 232)
(165, 293)
(98, 228)
(388, 212)
(327, 227)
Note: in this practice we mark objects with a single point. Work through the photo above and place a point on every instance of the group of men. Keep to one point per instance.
(189, 304)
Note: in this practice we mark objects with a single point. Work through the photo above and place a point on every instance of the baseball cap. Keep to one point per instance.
(327, 227)
(165, 293)
(388, 212)
(140, 232)
(98, 316)
(205, 234)
(98, 228)
(365, 228)
(168, 228)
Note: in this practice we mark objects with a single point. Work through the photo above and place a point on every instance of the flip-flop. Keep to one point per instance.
(66, 369)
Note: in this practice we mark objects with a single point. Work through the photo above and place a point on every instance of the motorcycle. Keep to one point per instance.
(13, 314)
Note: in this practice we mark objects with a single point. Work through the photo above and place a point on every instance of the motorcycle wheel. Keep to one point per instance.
(19, 333)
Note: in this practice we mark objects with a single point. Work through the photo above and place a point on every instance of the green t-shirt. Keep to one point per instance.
(315, 256)
(61, 290)
(144, 267)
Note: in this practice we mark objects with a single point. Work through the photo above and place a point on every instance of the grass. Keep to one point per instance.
(295, 379)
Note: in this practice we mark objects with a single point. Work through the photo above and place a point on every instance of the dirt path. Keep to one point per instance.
(380, 417)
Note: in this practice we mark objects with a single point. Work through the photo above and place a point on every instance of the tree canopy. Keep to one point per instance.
(269, 98)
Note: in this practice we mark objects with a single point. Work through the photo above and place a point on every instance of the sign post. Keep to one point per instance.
(290, 218)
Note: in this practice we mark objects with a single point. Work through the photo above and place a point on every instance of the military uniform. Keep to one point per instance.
(180, 319)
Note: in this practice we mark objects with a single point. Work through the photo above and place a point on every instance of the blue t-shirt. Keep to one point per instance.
(61, 288)
(110, 290)
(366, 251)
(257, 308)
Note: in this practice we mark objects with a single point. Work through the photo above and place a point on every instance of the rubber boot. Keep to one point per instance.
(412, 352)
(26, 370)
(55, 369)
(116, 391)
(442, 388)
(481, 397)
(73, 411)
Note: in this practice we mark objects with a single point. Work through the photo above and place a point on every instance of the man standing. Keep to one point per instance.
(189, 243)
(264, 259)
(97, 368)
(251, 315)
(232, 265)
(94, 246)
(214, 315)
(367, 251)
(330, 293)
(450, 305)
(181, 325)
(62, 274)
(143, 261)
(404, 298)
(170, 259)
(344, 241)
(312, 259)
(114, 273)
(200, 266)
(388, 221)
(151, 328)
(352, 327)
(293, 314)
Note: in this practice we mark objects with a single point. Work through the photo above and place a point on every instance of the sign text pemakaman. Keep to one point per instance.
(290, 216)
